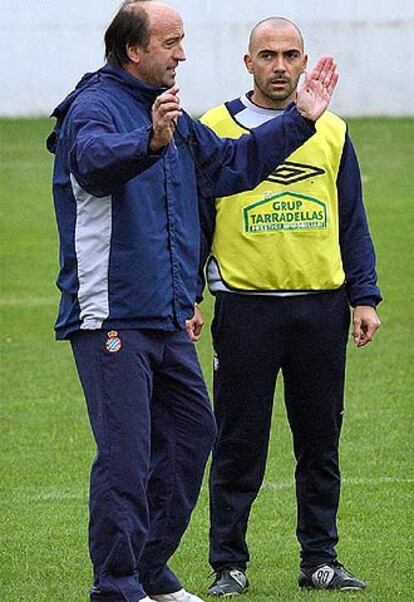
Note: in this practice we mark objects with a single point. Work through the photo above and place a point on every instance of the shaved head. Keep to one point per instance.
(276, 59)
(272, 24)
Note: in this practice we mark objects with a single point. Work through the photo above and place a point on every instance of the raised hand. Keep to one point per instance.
(165, 113)
(316, 91)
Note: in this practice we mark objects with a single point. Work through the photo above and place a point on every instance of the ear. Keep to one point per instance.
(134, 54)
(248, 62)
(305, 62)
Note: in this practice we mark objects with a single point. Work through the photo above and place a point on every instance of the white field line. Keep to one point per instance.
(26, 301)
(345, 481)
(22, 163)
(65, 496)
(44, 496)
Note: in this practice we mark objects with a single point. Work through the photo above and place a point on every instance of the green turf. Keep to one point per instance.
(46, 447)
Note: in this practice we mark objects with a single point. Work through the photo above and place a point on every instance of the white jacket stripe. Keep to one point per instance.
(93, 231)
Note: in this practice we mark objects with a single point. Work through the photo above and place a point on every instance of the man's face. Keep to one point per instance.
(158, 62)
(276, 60)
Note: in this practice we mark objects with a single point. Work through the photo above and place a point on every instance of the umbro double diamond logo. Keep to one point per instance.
(290, 173)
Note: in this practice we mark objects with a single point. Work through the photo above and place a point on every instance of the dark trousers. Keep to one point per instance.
(154, 428)
(254, 337)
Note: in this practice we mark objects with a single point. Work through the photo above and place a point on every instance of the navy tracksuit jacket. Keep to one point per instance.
(129, 251)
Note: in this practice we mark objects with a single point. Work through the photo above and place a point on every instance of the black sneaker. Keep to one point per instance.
(229, 582)
(329, 576)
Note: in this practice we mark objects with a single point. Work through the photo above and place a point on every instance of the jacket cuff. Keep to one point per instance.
(370, 301)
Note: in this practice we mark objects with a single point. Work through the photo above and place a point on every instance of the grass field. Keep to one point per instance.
(46, 447)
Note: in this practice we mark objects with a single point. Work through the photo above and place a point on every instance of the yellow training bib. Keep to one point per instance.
(284, 234)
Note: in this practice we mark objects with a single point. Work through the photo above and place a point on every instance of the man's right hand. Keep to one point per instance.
(165, 113)
(316, 92)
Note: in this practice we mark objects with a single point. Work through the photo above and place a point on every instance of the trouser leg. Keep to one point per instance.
(117, 388)
(183, 432)
(314, 386)
(244, 380)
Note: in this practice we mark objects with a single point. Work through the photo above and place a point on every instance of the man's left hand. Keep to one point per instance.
(365, 324)
(315, 94)
(195, 325)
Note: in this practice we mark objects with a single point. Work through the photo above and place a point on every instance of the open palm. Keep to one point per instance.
(315, 93)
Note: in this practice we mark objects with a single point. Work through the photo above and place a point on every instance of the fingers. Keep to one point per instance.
(365, 326)
(325, 72)
(168, 112)
(189, 329)
(329, 78)
(322, 68)
(194, 328)
(369, 329)
(364, 339)
(167, 105)
(363, 336)
(197, 332)
(332, 85)
(168, 97)
(170, 92)
(165, 113)
(317, 89)
(357, 333)
(195, 324)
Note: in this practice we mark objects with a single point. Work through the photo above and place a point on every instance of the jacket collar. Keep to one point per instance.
(145, 93)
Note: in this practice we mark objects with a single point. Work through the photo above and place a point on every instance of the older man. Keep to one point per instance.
(128, 162)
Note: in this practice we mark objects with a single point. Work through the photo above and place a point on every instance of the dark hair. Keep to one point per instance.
(129, 27)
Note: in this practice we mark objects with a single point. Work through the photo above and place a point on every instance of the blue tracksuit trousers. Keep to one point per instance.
(255, 337)
(154, 428)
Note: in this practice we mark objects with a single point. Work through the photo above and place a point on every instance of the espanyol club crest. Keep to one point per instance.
(113, 344)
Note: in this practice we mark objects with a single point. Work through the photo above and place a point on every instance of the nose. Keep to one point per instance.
(279, 64)
(179, 53)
